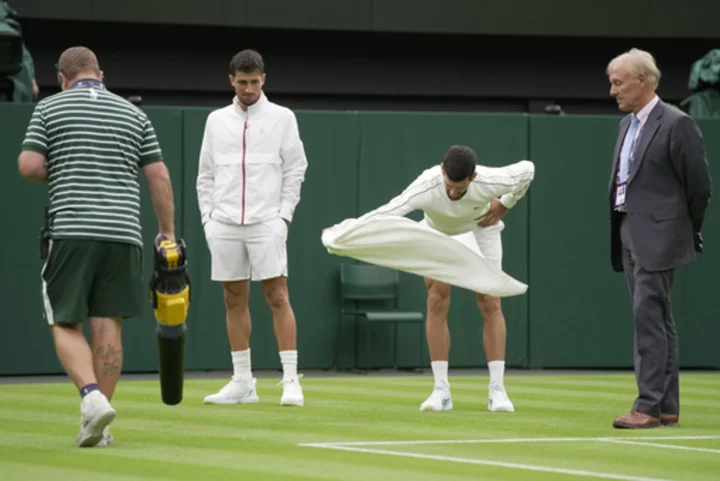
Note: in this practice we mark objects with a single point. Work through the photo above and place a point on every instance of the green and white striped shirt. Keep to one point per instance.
(95, 143)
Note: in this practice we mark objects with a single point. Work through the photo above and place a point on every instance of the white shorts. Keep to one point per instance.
(487, 241)
(241, 252)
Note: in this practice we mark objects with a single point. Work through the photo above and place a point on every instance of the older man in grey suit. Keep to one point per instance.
(660, 187)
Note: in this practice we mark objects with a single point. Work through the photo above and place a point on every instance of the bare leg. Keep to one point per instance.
(76, 357)
(494, 329)
(494, 339)
(436, 328)
(278, 299)
(285, 327)
(241, 388)
(438, 339)
(239, 326)
(74, 353)
(108, 353)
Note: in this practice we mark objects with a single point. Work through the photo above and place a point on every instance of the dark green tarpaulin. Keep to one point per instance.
(23, 80)
(705, 82)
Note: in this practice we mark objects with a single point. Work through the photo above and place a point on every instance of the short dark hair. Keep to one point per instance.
(459, 163)
(78, 60)
(248, 61)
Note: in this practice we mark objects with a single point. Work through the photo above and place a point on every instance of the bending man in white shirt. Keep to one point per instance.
(252, 165)
(466, 201)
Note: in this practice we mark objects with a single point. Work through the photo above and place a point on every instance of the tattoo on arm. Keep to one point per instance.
(110, 357)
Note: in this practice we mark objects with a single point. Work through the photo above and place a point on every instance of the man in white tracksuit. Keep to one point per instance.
(252, 165)
(466, 201)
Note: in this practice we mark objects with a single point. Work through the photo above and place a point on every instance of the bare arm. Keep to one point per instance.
(158, 179)
(32, 162)
(32, 166)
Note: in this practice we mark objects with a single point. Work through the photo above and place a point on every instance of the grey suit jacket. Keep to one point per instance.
(669, 188)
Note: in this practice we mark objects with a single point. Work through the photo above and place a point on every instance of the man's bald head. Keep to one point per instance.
(77, 62)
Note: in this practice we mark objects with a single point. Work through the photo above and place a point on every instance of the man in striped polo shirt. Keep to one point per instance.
(89, 145)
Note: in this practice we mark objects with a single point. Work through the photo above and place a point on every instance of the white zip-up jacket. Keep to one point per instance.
(452, 217)
(252, 164)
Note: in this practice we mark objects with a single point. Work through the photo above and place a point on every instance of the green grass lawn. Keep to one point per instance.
(365, 428)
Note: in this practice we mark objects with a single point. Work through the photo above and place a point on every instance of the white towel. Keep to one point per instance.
(405, 245)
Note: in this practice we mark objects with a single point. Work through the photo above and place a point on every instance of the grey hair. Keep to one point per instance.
(641, 63)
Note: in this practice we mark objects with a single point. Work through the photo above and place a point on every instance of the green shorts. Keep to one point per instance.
(85, 278)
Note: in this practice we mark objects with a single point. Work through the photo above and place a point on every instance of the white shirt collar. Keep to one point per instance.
(644, 113)
(254, 107)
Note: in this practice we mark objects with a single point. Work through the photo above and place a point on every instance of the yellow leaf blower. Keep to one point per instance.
(170, 297)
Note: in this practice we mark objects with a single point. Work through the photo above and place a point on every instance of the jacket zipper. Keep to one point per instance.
(242, 220)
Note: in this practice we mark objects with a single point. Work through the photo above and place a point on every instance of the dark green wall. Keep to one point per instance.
(580, 311)
(26, 345)
(576, 312)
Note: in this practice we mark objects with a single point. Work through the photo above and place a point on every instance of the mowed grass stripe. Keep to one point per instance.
(246, 459)
(382, 399)
(316, 409)
(431, 426)
(341, 399)
(108, 460)
(423, 426)
(12, 471)
(338, 403)
(251, 440)
(451, 425)
(471, 417)
(690, 384)
(693, 384)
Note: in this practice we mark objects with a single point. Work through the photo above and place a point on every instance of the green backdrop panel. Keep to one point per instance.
(696, 305)
(579, 309)
(26, 345)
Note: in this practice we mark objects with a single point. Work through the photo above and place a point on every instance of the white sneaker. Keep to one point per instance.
(235, 392)
(95, 414)
(292, 392)
(498, 400)
(439, 400)
(107, 437)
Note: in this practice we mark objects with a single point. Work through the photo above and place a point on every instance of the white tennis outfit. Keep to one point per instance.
(459, 218)
(384, 238)
(251, 168)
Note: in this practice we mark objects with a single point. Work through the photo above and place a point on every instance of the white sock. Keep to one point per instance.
(497, 371)
(241, 365)
(289, 364)
(440, 374)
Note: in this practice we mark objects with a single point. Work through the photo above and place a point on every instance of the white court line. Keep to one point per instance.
(527, 467)
(636, 440)
(668, 446)
(503, 440)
